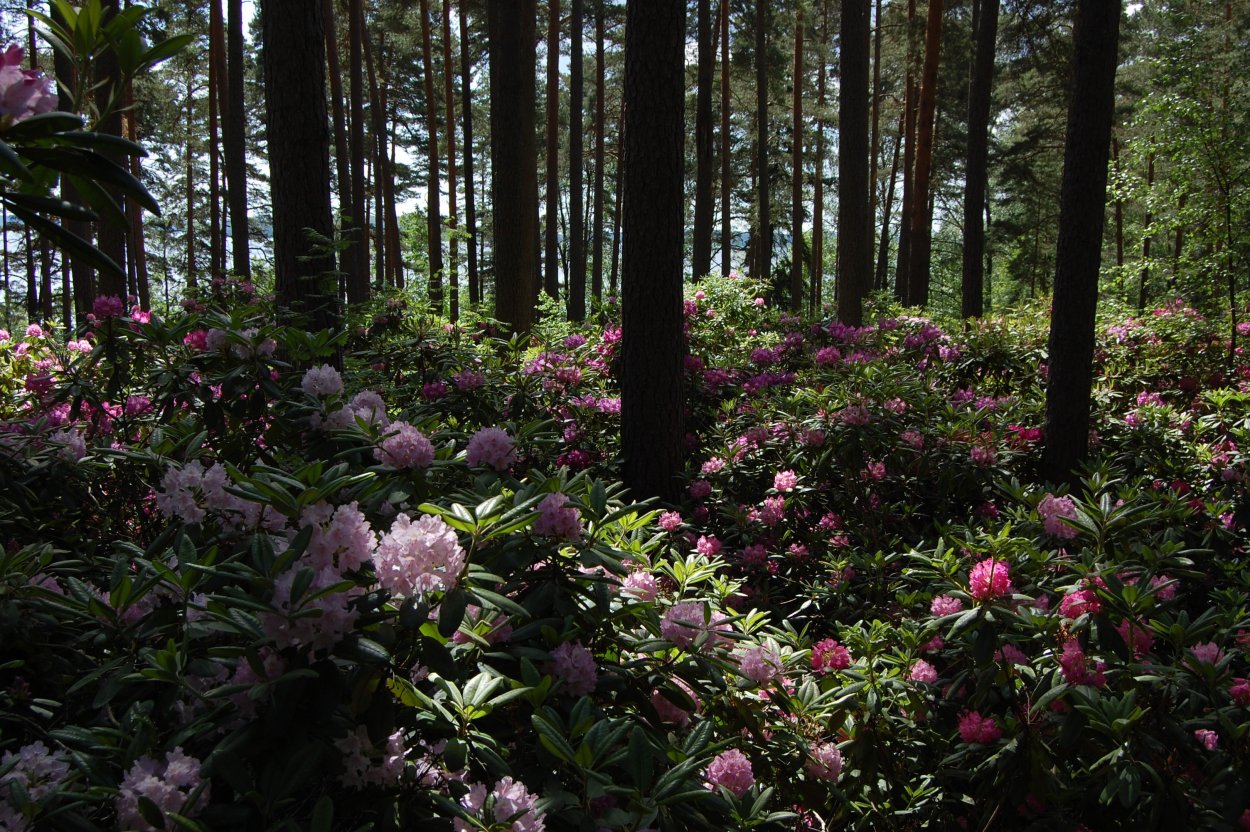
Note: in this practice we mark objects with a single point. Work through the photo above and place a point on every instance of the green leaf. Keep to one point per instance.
(323, 815)
(452, 612)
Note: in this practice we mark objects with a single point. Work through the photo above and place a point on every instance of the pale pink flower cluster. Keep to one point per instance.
(491, 447)
(761, 664)
(364, 766)
(1053, 510)
(35, 769)
(404, 447)
(332, 618)
(682, 623)
(322, 382)
(732, 770)
(272, 667)
(167, 783)
(922, 671)
(1080, 601)
(191, 493)
(510, 799)
(669, 711)
(574, 665)
(945, 605)
(23, 92)
(366, 405)
(640, 585)
(555, 519)
(825, 761)
(418, 557)
(785, 480)
(974, 728)
(1207, 653)
(342, 539)
(670, 521)
(73, 445)
(990, 578)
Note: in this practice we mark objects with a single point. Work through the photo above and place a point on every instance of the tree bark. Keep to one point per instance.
(763, 207)
(874, 143)
(701, 263)
(216, 36)
(466, 110)
(796, 172)
(515, 159)
(620, 200)
(577, 227)
(551, 260)
(1119, 207)
(453, 265)
(854, 220)
(818, 201)
(299, 165)
(433, 207)
(235, 136)
(652, 346)
(357, 277)
(596, 268)
(921, 210)
(1144, 277)
(883, 255)
(1082, 216)
(726, 144)
(902, 266)
(979, 87)
(189, 170)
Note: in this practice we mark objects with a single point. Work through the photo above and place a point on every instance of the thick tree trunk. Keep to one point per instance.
(342, 155)
(652, 346)
(902, 267)
(874, 143)
(1082, 214)
(796, 172)
(110, 235)
(726, 145)
(433, 208)
(701, 263)
(977, 177)
(453, 265)
(883, 249)
(216, 34)
(921, 208)
(577, 227)
(466, 115)
(299, 165)
(189, 170)
(854, 220)
(818, 201)
(551, 261)
(358, 275)
(515, 159)
(235, 136)
(1119, 207)
(596, 268)
(138, 259)
(620, 200)
(763, 206)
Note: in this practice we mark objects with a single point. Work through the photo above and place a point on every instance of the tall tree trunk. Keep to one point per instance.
(620, 199)
(394, 245)
(551, 262)
(358, 276)
(386, 251)
(1143, 279)
(883, 255)
(515, 159)
(902, 266)
(577, 229)
(75, 270)
(466, 116)
(189, 168)
(433, 207)
(652, 347)
(1119, 206)
(921, 211)
(234, 125)
(726, 144)
(874, 143)
(342, 155)
(453, 265)
(702, 254)
(1082, 214)
(977, 178)
(763, 208)
(299, 166)
(110, 235)
(134, 215)
(854, 220)
(596, 267)
(216, 34)
(818, 201)
(796, 171)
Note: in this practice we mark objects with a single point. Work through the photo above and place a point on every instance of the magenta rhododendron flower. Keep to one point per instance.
(922, 671)
(23, 92)
(824, 761)
(1207, 653)
(991, 578)
(682, 623)
(785, 480)
(574, 665)
(828, 655)
(1207, 738)
(974, 728)
(1053, 510)
(1240, 691)
(732, 770)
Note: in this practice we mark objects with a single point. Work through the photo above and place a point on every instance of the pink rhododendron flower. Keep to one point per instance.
(732, 770)
(1207, 739)
(990, 578)
(974, 728)
(167, 783)
(418, 557)
(364, 766)
(922, 671)
(1052, 510)
(670, 521)
(1077, 603)
(492, 448)
(682, 623)
(321, 382)
(785, 480)
(1207, 653)
(761, 664)
(574, 665)
(708, 546)
(640, 585)
(669, 711)
(1240, 691)
(23, 92)
(828, 655)
(557, 520)
(1075, 667)
(511, 802)
(824, 762)
(404, 447)
(945, 605)
(35, 768)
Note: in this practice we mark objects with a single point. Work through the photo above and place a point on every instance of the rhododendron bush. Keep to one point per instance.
(244, 586)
